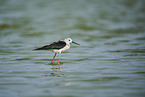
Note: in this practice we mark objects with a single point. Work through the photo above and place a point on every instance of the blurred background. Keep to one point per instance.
(108, 63)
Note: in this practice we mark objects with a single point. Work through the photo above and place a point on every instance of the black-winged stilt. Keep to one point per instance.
(58, 47)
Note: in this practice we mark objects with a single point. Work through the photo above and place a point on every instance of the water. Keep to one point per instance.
(108, 63)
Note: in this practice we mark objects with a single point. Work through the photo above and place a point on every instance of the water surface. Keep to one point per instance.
(108, 63)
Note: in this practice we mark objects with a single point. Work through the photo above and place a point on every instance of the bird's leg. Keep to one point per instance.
(53, 58)
(59, 60)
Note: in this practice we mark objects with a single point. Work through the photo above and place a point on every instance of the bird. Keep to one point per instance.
(58, 47)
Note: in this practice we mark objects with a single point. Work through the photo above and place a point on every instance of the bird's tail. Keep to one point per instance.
(38, 49)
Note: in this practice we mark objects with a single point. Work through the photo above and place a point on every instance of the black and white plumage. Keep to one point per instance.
(58, 47)
(54, 46)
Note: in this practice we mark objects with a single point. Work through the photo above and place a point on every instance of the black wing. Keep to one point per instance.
(54, 45)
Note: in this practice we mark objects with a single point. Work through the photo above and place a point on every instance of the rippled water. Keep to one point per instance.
(110, 62)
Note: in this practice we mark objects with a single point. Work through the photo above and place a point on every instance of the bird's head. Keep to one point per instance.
(69, 40)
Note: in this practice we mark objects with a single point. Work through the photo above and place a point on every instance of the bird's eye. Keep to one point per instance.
(69, 40)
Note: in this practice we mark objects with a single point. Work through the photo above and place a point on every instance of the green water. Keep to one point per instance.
(110, 62)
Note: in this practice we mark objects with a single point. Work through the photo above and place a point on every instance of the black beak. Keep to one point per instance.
(75, 43)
